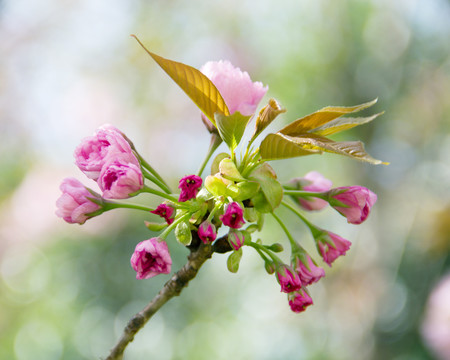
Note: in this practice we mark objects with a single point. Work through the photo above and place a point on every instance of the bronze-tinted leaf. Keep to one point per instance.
(194, 83)
(277, 146)
(321, 117)
(341, 124)
(267, 114)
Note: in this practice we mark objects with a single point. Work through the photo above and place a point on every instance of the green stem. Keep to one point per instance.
(108, 205)
(172, 226)
(159, 193)
(214, 144)
(146, 165)
(314, 229)
(157, 182)
(288, 234)
(259, 248)
(322, 195)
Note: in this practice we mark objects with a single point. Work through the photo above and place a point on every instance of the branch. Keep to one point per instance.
(199, 254)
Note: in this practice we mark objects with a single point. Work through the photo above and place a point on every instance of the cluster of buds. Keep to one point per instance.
(239, 191)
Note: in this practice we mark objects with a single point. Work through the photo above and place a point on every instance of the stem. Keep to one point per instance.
(159, 193)
(314, 230)
(113, 205)
(172, 288)
(323, 195)
(214, 144)
(173, 225)
(146, 165)
(288, 234)
(157, 182)
(260, 247)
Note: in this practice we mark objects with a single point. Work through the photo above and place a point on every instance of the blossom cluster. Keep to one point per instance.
(236, 195)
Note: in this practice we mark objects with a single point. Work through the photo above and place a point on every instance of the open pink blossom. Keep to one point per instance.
(207, 232)
(74, 205)
(299, 301)
(288, 278)
(353, 202)
(120, 177)
(189, 186)
(313, 182)
(234, 216)
(150, 258)
(331, 246)
(236, 87)
(307, 269)
(165, 211)
(91, 154)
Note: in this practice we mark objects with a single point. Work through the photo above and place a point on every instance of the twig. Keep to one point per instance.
(199, 254)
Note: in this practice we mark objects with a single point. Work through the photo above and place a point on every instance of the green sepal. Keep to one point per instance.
(228, 170)
(156, 227)
(231, 127)
(216, 162)
(234, 260)
(183, 233)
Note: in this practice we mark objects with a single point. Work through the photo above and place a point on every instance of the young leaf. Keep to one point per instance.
(321, 117)
(277, 146)
(194, 83)
(233, 261)
(342, 124)
(267, 114)
(231, 128)
(265, 176)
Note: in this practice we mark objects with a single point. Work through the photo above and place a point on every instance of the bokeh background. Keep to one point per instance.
(67, 67)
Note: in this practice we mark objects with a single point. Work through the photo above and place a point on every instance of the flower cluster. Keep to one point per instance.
(237, 194)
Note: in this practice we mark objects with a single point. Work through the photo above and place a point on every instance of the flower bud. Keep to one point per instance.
(353, 202)
(236, 239)
(306, 268)
(288, 278)
(234, 216)
(165, 211)
(189, 186)
(183, 233)
(312, 182)
(299, 300)
(331, 246)
(207, 232)
(74, 205)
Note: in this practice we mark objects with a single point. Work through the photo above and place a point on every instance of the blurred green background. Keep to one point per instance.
(67, 67)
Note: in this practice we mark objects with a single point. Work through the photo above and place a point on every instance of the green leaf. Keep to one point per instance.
(231, 128)
(216, 162)
(266, 177)
(233, 261)
(194, 83)
(342, 124)
(278, 146)
(267, 114)
(244, 190)
(228, 170)
(156, 227)
(321, 117)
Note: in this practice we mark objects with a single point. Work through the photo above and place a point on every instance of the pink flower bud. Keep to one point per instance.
(189, 186)
(312, 182)
(307, 269)
(234, 216)
(299, 301)
(331, 246)
(353, 202)
(236, 239)
(120, 177)
(236, 87)
(91, 154)
(74, 205)
(207, 232)
(150, 258)
(165, 211)
(288, 278)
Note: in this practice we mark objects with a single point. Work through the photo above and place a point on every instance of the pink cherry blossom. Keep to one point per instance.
(207, 232)
(313, 182)
(120, 177)
(299, 301)
(189, 186)
(288, 278)
(234, 216)
(236, 87)
(353, 202)
(165, 211)
(150, 258)
(307, 269)
(74, 205)
(91, 154)
(331, 246)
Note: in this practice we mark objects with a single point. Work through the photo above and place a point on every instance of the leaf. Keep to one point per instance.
(342, 124)
(194, 83)
(321, 117)
(216, 162)
(231, 128)
(156, 227)
(267, 114)
(228, 170)
(233, 261)
(353, 149)
(277, 146)
(266, 177)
